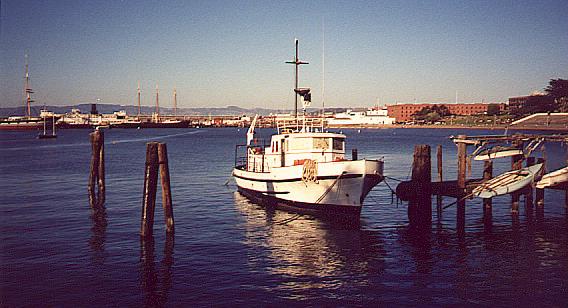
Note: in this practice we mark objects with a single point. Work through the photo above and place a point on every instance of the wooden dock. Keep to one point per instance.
(419, 190)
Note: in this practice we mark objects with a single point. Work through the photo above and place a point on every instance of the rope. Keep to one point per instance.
(329, 188)
(310, 171)
(391, 178)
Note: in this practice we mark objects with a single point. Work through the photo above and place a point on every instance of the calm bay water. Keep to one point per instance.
(227, 251)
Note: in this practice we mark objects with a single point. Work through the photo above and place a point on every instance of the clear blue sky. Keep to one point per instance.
(220, 53)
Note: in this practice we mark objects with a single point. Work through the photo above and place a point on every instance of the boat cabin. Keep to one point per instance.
(290, 149)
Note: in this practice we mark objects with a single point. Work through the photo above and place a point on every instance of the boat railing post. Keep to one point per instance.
(353, 154)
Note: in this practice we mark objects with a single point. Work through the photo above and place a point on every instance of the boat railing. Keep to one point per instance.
(252, 157)
(292, 125)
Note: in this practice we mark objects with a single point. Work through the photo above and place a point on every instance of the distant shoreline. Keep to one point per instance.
(516, 127)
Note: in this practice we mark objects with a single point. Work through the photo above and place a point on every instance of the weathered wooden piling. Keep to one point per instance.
(516, 164)
(353, 154)
(96, 185)
(529, 189)
(462, 166)
(150, 186)
(539, 192)
(487, 175)
(420, 206)
(166, 191)
(440, 179)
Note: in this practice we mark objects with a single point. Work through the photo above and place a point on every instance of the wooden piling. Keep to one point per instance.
(487, 175)
(516, 164)
(353, 154)
(539, 192)
(166, 191)
(528, 192)
(420, 207)
(462, 166)
(440, 179)
(96, 185)
(150, 186)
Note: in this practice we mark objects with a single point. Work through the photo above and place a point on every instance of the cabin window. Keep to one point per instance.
(338, 144)
(321, 143)
(276, 146)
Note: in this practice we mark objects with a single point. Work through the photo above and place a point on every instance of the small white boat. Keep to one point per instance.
(498, 152)
(507, 182)
(553, 178)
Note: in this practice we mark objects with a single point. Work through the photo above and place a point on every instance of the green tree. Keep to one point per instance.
(557, 91)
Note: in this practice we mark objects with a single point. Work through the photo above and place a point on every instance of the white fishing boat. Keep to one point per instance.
(554, 178)
(304, 169)
(507, 182)
(498, 152)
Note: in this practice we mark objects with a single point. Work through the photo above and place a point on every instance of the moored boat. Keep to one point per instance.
(554, 178)
(498, 152)
(303, 169)
(507, 182)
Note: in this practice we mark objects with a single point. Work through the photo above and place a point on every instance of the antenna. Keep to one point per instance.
(323, 74)
(297, 63)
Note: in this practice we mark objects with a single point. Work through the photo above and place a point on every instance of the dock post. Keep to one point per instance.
(166, 190)
(487, 175)
(96, 186)
(462, 166)
(516, 164)
(440, 179)
(529, 188)
(420, 206)
(101, 170)
(353, 154)
(539, 192)
(150, 186)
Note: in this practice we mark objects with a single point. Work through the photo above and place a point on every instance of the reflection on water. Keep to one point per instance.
(307, 253)
(156, 283)
(98, 236)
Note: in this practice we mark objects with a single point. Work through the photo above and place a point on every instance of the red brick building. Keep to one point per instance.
(404, 112)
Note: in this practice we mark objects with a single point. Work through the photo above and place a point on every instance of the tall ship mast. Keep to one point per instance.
(27, 91)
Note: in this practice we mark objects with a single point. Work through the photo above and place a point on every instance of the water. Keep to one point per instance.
(226, 251)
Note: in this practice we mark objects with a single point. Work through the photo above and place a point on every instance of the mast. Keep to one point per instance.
(175, 102)
(27, 91)
(139, 98)
(297, 63)
(323, 75)
(157, 104)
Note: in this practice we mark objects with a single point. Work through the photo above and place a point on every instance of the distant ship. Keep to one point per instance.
(27, 121)
(370, 117)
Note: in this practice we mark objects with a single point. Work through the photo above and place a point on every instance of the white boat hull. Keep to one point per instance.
(507, 182)
(499, 154)
(554, 178)
(339, 188)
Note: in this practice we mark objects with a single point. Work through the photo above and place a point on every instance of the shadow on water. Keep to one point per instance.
(156, 282)
(98, 236)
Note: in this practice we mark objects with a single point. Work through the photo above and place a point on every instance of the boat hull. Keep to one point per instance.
(553, 179)
(338, 190)
(507, 182)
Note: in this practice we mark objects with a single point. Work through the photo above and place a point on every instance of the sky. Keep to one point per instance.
(221, 53)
